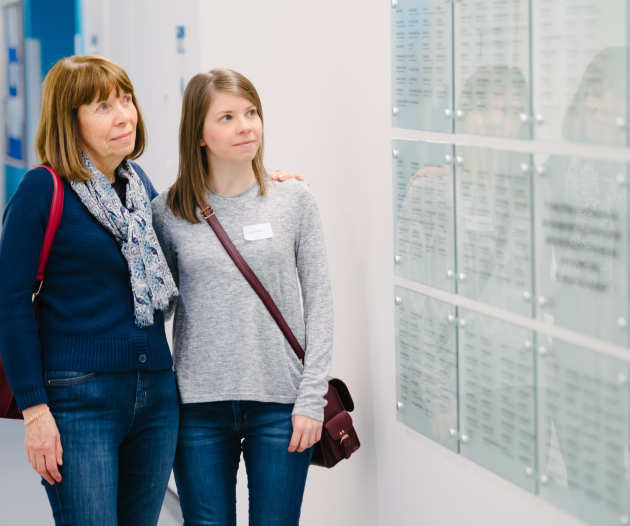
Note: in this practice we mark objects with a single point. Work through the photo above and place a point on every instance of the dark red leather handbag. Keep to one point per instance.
(8, 405)
(339, 438)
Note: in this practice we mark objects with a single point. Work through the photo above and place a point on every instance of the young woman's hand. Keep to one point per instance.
(283, 175)
(43, 443)
(306, 433)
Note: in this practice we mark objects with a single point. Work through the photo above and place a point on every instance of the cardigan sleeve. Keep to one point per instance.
(23, 229)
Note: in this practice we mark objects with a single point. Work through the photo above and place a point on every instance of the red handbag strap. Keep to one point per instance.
(54, 217)
(252, 279)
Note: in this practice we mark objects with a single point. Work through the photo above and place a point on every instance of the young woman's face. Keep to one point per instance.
(107, 129)
(232, 130)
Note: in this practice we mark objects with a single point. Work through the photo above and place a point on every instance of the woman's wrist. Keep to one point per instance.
(35, 412)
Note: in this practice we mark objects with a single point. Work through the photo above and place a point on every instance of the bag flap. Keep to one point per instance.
(343, 392)
(339, 425)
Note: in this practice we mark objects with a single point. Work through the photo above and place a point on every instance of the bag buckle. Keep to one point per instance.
(207, 212)
(343, 436)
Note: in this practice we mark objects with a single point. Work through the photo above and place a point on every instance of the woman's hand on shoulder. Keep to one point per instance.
(283, 175)
(43, 442)
(306, 433)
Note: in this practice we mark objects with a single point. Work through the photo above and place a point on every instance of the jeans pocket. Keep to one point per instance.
(55, 378)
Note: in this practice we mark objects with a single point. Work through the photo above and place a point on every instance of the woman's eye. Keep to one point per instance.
(226, 117)
(252, 112)
(102, 106)
(127, 99)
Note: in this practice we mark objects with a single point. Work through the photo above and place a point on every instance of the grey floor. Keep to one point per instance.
(23, 500)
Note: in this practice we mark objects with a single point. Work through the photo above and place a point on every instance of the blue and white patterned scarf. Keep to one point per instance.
(152, 284)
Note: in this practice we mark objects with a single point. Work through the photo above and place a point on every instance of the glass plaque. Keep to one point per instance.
(580, 70)
(583, 438)
(494, 246)
(426, 366)
(582, 245)
(497, 404)
(422, 65)
(492, 68)
(424, 242)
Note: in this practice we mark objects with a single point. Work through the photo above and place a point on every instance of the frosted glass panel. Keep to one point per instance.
(582, 245)
(497, 404)
(580, 70)
(492, 68)
(421, 65)
(423, 213)
(583, 440)
(494, 252)
(426, 366)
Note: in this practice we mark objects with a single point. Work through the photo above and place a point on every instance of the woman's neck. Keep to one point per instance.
(229, 179)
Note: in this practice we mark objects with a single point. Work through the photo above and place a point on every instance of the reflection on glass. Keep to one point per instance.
(496, 378)
(421, 65)
(583, 439)
(492, 68)
(580, 70)
(423, 213)
(582, 246)
(426, 379)
(494, 249)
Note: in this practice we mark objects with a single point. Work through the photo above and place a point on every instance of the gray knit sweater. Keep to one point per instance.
(226, 345)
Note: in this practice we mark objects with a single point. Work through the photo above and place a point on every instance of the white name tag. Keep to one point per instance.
(256, 232)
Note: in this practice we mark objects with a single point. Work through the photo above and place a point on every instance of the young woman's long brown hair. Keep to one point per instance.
(193, 175)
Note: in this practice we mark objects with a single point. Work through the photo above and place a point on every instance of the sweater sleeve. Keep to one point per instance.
(160, 214)
(23, 228)
(312, 267)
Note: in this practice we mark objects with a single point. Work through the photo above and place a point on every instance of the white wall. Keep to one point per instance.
(323, 73)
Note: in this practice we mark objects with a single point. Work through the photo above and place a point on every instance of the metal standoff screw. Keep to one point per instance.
(623, 519)
(448, 158)
(542, 301)
(620, 122)
(527, 345)
(451, 318)
(397, 259)
(459, 113)
(540, 169)
(450, 274)
(452, 432)
(544, 479)
(622, 323)
(448, 113)
(621, 179)
(529, 471)
(542, 350)
(459, 160)
(524, 117)
(524, 167)
(395, 153)
(397, 300)
(464, 437)
(395, 110)
(527, 296)
(539, 118)
(399, 405)
(622, 378)
(394, 4)
(462, 323)
(461, 276)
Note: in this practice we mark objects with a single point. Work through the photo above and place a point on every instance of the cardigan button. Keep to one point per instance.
(142, 358)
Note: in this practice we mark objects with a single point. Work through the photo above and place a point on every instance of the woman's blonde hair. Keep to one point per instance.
(72, 82)
(193, 174)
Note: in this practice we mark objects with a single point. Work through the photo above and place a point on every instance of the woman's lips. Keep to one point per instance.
(246, 143)
(125, 136)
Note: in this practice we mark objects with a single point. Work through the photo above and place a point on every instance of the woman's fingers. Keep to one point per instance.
(52, 468)
(296, 437)
(59, 452)
(41, 469)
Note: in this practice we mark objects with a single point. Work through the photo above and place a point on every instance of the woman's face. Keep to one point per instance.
(232, 130)
(107, 129)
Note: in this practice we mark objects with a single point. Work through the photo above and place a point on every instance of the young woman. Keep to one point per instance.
(94, 380)
(242, 388)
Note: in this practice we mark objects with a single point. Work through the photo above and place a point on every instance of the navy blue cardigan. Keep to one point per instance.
(86, 316)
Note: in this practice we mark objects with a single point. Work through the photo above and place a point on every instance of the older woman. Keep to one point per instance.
(96, 376)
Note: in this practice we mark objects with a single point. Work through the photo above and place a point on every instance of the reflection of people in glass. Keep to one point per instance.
(597, 112)
(495, 101)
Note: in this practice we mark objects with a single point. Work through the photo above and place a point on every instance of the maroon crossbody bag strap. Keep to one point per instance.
(252, 279)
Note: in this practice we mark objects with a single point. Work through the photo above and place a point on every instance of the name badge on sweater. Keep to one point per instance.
(256, 232)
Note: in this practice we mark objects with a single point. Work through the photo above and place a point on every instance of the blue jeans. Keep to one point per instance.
(119, 434)
(211, 437)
